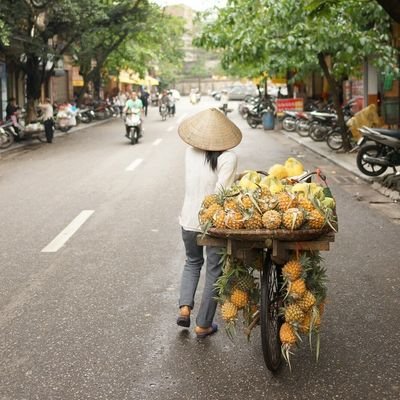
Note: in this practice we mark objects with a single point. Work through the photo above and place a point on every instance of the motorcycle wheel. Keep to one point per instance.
(366, 167)
(134, 135)
(302, 128)
(317, 133)
(289, 124)
(334, 139)
(86, 118)
(6, 139)
(65, 128)
(251, 122)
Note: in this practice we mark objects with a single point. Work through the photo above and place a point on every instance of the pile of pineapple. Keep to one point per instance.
(238, 291)
(301, 300)
(304, 297)
(275, 201)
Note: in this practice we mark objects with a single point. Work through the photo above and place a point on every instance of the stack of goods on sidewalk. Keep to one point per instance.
(277, 202)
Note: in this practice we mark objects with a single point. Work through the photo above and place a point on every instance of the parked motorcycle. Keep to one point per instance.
(302, 125)
(85, 115)
(254, 117)
(7, 134)
(373, 159)
(289, 120)
(133, 122)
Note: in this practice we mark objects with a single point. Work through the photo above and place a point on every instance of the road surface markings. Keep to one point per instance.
(170, 129)
(157, 142)
(67, 233)
(135, 164)
(181, 118)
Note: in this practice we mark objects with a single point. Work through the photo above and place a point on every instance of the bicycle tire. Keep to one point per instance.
(270, 319)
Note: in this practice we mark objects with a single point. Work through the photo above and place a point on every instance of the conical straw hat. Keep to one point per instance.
(210, 130)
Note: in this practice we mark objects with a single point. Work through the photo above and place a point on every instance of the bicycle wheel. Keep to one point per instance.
(270, 320)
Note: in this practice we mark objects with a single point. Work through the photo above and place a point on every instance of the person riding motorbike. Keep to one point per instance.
(134, 105)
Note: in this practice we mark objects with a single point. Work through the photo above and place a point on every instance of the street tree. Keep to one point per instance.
(40, 33)
(284, 35)
(158, 46)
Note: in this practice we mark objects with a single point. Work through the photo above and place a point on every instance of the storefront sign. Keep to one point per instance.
(289, 104)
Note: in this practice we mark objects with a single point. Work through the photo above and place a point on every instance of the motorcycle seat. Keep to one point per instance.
(388, 132)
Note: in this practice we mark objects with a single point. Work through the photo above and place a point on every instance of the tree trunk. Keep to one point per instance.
(33, 86)
(333, 84)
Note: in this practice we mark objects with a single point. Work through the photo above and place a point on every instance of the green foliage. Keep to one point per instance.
(280, 35)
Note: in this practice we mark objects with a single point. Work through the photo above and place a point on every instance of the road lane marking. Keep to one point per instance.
(170, 129)
(181, 118)
(66, 234)
(133, 165)
(157, 142)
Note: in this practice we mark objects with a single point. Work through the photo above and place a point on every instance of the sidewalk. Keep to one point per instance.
(57, 133)
(344, 160)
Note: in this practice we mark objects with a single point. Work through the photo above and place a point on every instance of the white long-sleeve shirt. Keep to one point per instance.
(201, 180)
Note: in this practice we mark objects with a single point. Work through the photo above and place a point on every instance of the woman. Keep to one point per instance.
(209, 166)
(48, 121)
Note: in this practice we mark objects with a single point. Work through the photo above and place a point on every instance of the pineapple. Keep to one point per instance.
(293, 314)
(209, 200)
(244, 282)
(307, 301)
(316, 220)
(231, 204)
(292, 270)
(272, 219)
(305, 204)
(286, 201)
(219, 219)
(246, 201)
(229, 312)
(293, 218)
(310, 322)
(239, 298)
(287, 334)
(234, 220)
(253, 221)
(297, 289)
(267, 203)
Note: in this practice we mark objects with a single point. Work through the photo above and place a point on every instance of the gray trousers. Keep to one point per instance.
(191, 275)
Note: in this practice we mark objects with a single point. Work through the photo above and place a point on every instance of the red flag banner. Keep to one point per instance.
(289, 104)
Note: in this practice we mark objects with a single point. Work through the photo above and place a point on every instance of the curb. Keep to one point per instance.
(394, 195)
(20, 145)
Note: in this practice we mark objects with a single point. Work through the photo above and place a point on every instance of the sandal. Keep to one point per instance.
(184, 317)
(210, 331)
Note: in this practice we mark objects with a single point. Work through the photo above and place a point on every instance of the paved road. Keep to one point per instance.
(95, 318)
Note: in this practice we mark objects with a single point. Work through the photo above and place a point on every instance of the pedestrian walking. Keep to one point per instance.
(209, 166)
(47, 111)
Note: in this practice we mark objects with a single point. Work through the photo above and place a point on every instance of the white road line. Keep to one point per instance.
(135, 164)
(157, 142)
(181, 118)
(66, 234)
(171, 128)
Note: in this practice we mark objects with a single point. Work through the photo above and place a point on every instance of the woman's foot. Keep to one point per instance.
(184, 316)
(201, 333)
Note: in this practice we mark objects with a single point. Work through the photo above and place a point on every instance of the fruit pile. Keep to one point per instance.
(304, 295)
(301, 298)
(238, 291)
(275, 201)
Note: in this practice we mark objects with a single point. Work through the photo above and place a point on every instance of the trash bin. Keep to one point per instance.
(268, 119)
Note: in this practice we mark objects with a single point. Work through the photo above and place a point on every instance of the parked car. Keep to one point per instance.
(240, 92)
